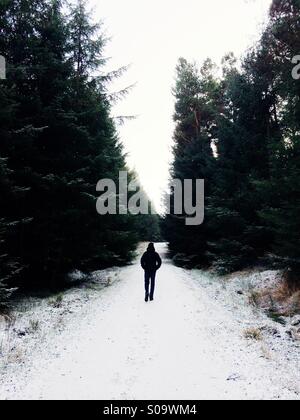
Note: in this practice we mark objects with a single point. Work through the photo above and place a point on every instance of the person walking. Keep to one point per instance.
(150, 262)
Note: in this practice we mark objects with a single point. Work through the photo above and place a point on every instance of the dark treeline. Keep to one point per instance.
(241, 133)
(57, 140)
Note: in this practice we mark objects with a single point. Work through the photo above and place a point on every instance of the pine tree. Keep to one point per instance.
(197, 100)
(282, 193)
(245, 130)
(252, 118)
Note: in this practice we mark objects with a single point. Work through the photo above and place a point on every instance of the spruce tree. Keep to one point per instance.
(59, 140)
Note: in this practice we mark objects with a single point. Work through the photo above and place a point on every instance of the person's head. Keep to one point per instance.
(151, 247)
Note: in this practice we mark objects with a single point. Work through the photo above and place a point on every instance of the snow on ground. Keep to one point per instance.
(189, 343)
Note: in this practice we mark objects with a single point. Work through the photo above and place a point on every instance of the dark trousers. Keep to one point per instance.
(150, 283)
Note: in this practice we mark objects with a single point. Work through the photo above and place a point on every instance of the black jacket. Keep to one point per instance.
(151, 261)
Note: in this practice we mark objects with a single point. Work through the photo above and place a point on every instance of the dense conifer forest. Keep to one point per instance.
(102, 298)
(239, 129)
(58, 140)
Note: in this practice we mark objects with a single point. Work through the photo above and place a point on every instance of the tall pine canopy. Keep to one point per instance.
(239, 130)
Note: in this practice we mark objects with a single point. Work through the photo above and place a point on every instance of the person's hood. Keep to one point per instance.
(151, 248)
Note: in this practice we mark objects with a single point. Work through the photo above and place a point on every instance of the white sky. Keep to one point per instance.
(151, 36)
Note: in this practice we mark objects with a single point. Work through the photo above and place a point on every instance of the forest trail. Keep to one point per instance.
(184, 345)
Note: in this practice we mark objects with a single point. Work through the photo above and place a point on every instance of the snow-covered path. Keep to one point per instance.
(181, 346)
